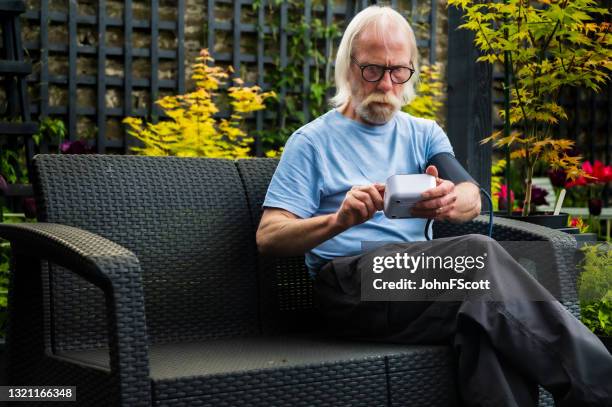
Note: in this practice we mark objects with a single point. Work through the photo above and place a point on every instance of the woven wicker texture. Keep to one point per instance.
(365, 391)
(185, 221)
(422, 390)
(176, 237)
(95, 388)
(244, 354)
(106, 265)
(226, 366)
(286, 289)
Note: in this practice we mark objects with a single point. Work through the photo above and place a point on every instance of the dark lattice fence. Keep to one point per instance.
(85, 56)
(96, 62)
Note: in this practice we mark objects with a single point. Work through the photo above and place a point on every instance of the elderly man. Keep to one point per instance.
(326, 198)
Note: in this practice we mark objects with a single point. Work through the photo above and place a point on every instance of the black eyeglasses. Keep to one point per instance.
(374, 73)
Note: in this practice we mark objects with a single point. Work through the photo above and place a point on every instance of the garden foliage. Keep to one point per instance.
(428, 102)
(192, 130)
(549, 45)
(595, 289)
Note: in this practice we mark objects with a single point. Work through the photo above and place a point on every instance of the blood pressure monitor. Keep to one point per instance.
(402, 191)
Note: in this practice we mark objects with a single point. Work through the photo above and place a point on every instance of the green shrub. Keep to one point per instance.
(5, 257)
(595, 289)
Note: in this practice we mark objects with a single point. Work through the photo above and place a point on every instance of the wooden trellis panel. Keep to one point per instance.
(73, 81)
(236, 30)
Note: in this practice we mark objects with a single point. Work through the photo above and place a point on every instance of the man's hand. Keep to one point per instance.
(282, 233)
(359, 205)
(439, 202)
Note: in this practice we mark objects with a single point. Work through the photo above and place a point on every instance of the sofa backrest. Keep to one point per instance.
(187, 221)
(285, 288)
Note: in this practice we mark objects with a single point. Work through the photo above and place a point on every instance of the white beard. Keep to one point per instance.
(377, 113)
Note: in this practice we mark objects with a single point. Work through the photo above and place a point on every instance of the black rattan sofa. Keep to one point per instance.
(141, 285)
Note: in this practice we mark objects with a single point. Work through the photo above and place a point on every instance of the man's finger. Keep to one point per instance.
(420, 211)
(445, 215)
(375, 194)
(363, 196)
(381, 190)
(434, 203)
(445, 210)
(444, 188)
(359, 207)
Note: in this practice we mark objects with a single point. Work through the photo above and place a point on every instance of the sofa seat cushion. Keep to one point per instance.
(282, 370)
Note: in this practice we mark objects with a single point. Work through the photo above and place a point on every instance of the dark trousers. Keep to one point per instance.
(504, 348)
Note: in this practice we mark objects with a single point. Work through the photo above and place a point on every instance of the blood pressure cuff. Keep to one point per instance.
(449, 168)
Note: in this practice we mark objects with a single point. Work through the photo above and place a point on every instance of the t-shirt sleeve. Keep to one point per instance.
(438, 142)
(297, 183)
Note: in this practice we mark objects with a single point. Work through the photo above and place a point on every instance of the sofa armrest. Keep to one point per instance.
(107, 265)
(563, 246)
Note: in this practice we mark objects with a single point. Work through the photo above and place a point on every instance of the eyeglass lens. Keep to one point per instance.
(374, 73)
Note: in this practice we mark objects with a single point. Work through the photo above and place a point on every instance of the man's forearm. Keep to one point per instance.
(294, 237)
(283, 233)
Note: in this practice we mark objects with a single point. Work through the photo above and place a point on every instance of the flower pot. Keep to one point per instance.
(586, 237)
(581, 238)
(539, 218)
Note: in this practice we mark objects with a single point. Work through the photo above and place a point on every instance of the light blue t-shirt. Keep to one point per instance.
(326, 157)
